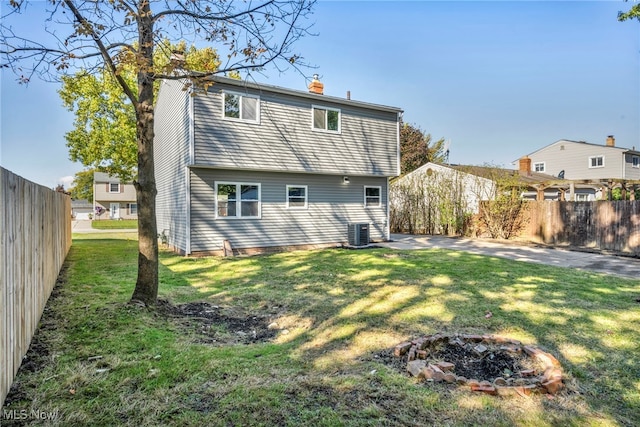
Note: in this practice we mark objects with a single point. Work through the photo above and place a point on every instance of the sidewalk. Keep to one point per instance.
(600, 263)
(84, 226)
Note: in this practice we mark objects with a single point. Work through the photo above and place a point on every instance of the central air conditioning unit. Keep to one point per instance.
(359, 234)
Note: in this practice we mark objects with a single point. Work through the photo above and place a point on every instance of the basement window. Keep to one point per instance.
(596, 162)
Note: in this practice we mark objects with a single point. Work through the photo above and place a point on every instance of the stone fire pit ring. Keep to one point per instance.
(545, 379)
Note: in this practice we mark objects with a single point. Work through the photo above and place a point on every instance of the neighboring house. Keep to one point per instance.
(450, 181)
(533, 185)
(113, 199)
(249, 166)
(574, 160)
(81, 209)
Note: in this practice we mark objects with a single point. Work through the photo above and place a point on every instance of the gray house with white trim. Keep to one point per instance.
(577, 160)
(258, 167)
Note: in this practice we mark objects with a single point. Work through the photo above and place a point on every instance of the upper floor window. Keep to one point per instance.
(635, 161)
(297, 196)
(114, 187)
(237, 200)
(327, 119)
(539, 167)
(596, 161)
(372, 196)
(245, 108)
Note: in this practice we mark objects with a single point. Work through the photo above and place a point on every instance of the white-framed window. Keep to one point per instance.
(242, 107)
(539, 167)
(133, 209)
(326, 119)
(297, 197)
(635, 161)
(238, 200)
(114, 187)
(582, 197)
(596, 162)
(372, 196)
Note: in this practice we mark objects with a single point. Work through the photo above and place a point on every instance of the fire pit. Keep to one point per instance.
(484, 363)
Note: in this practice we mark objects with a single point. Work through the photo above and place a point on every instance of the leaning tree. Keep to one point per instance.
(123, 34)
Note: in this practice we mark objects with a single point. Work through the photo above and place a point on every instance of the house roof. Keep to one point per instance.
(568, 141)
(489, 172)
(81, 203)
(302, 94)
(105, 177)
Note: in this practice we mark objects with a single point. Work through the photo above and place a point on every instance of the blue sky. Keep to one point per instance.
(499, 79)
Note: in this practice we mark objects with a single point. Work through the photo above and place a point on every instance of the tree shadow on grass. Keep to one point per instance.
(340, 306)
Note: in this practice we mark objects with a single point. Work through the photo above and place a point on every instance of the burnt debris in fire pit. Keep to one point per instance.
(484, 363)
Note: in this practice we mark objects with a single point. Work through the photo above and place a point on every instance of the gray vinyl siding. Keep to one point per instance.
(332, 205)
(284, 139)
(171, 156)
(630, 172)
(573, 158)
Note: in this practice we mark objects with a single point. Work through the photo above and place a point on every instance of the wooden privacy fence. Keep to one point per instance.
(35, 229)
(607, 225)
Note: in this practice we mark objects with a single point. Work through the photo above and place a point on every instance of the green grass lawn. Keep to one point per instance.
(120, 224)
(105, 362)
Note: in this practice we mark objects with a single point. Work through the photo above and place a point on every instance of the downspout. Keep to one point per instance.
(187, 170)
(388, 225)
(388, 228)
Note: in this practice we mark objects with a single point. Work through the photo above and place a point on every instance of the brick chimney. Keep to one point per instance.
(525, 165)
(611, 141)
(315, 86)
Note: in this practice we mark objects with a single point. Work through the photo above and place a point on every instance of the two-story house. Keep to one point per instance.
(113, 199)
(248, 166)
(577, 160)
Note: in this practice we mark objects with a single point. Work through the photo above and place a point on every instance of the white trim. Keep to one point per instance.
(596, 157)
(238, 199)
(379, 187)
(635, 161)
(187, 172)
(544, 167)
(306, 197)
(388, 225)
(114, 183)
(398, 156)
(187, 221)
(326, 130)
(192, 131)
(241, 95)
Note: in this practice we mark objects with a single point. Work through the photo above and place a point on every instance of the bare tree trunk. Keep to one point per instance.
(146, 289)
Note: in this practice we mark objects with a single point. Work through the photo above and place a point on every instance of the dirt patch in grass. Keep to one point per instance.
(212, 324)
